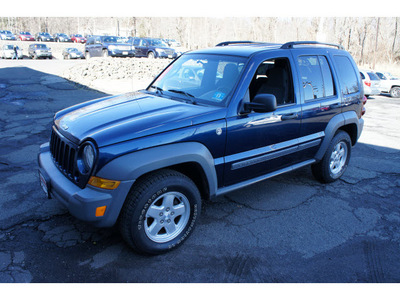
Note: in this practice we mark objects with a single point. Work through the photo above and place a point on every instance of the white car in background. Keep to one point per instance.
(371, 83)
(7, 51)
(389, 84)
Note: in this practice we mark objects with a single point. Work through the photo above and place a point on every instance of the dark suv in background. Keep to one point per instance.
(107, 46)
(214, 121)
(152, 48)
(62, 37)
(44, 37)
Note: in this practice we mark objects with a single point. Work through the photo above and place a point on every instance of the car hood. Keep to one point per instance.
(129, 116)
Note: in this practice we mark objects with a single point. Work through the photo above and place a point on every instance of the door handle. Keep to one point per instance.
(289, 116)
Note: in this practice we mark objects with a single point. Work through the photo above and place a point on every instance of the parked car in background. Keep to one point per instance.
(44, 37)
(123, 39)
(26, 36)
(72, 53)
(39, 50)
(371, 83)
(62, 37)
(389, 84)
(78, 38)
(108, 46)
(7, 35)
(7, 51)
(176, 46)
(152, 48)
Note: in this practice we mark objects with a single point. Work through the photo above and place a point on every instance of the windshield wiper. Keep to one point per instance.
(190, 97)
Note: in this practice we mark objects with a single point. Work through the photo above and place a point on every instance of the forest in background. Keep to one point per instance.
(371, 40)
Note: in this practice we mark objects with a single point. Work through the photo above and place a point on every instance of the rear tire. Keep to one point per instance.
(336, 159)
(160, 212)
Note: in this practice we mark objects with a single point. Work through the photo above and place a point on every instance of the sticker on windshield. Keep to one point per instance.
(218, 96)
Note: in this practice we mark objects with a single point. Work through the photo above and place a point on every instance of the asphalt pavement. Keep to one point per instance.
(290, 228)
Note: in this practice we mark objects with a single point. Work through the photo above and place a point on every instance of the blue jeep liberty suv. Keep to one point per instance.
(213, 121)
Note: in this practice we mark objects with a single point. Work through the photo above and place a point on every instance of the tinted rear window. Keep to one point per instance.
(347, 75)
(372, 76)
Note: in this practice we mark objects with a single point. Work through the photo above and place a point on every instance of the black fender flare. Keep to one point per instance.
(338, 121)
(133, 165)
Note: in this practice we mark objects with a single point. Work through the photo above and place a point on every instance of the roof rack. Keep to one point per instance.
(235, 42)
(290, 45)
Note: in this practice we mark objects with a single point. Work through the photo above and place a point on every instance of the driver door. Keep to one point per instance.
(260, 143)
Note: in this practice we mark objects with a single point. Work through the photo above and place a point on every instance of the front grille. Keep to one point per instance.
(64, 155)
(124, 48)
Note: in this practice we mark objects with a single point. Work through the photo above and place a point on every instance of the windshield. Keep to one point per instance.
(111, 39)
(78, 35)
(73, 50)
(8, 32)
(46, 34)
(207, 79)
(157, 43)
(40, 46)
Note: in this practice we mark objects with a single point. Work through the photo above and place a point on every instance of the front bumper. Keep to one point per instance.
(165, 55)
(42, 54)
(81, 203)
(121, 53)
(11, 54)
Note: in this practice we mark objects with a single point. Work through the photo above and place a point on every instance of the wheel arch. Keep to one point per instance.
(190, 158)
(348, 122)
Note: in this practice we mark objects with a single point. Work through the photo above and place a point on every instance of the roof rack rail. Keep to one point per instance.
(290, 45)
(235, 42)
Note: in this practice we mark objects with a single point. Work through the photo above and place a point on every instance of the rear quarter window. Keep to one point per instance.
(347, 75)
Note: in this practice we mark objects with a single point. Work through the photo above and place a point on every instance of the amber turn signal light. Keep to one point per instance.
(100, 211)
(103, 183)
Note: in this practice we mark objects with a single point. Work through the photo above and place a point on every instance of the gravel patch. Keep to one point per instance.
(138, 69)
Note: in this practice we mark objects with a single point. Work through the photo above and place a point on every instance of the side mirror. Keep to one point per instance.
(261, 103)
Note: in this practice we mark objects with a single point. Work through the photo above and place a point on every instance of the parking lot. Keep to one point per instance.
(288, 229)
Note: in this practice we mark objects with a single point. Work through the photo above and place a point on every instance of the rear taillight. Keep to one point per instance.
(367, 83)
(363, 110)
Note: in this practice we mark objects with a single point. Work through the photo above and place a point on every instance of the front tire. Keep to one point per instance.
(150, 55)
(336, 159)
(160, 212)
(395, 92)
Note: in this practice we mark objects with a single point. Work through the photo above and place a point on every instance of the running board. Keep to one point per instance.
(239, 185)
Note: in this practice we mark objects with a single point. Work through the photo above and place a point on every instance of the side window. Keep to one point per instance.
(274, 77)
(329, 87)
(347, 75)
(316, 77)
(381, 76)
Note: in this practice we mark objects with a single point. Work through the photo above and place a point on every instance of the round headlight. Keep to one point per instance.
(88, 157)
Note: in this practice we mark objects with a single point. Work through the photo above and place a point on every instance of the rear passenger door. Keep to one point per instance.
(320, 95)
